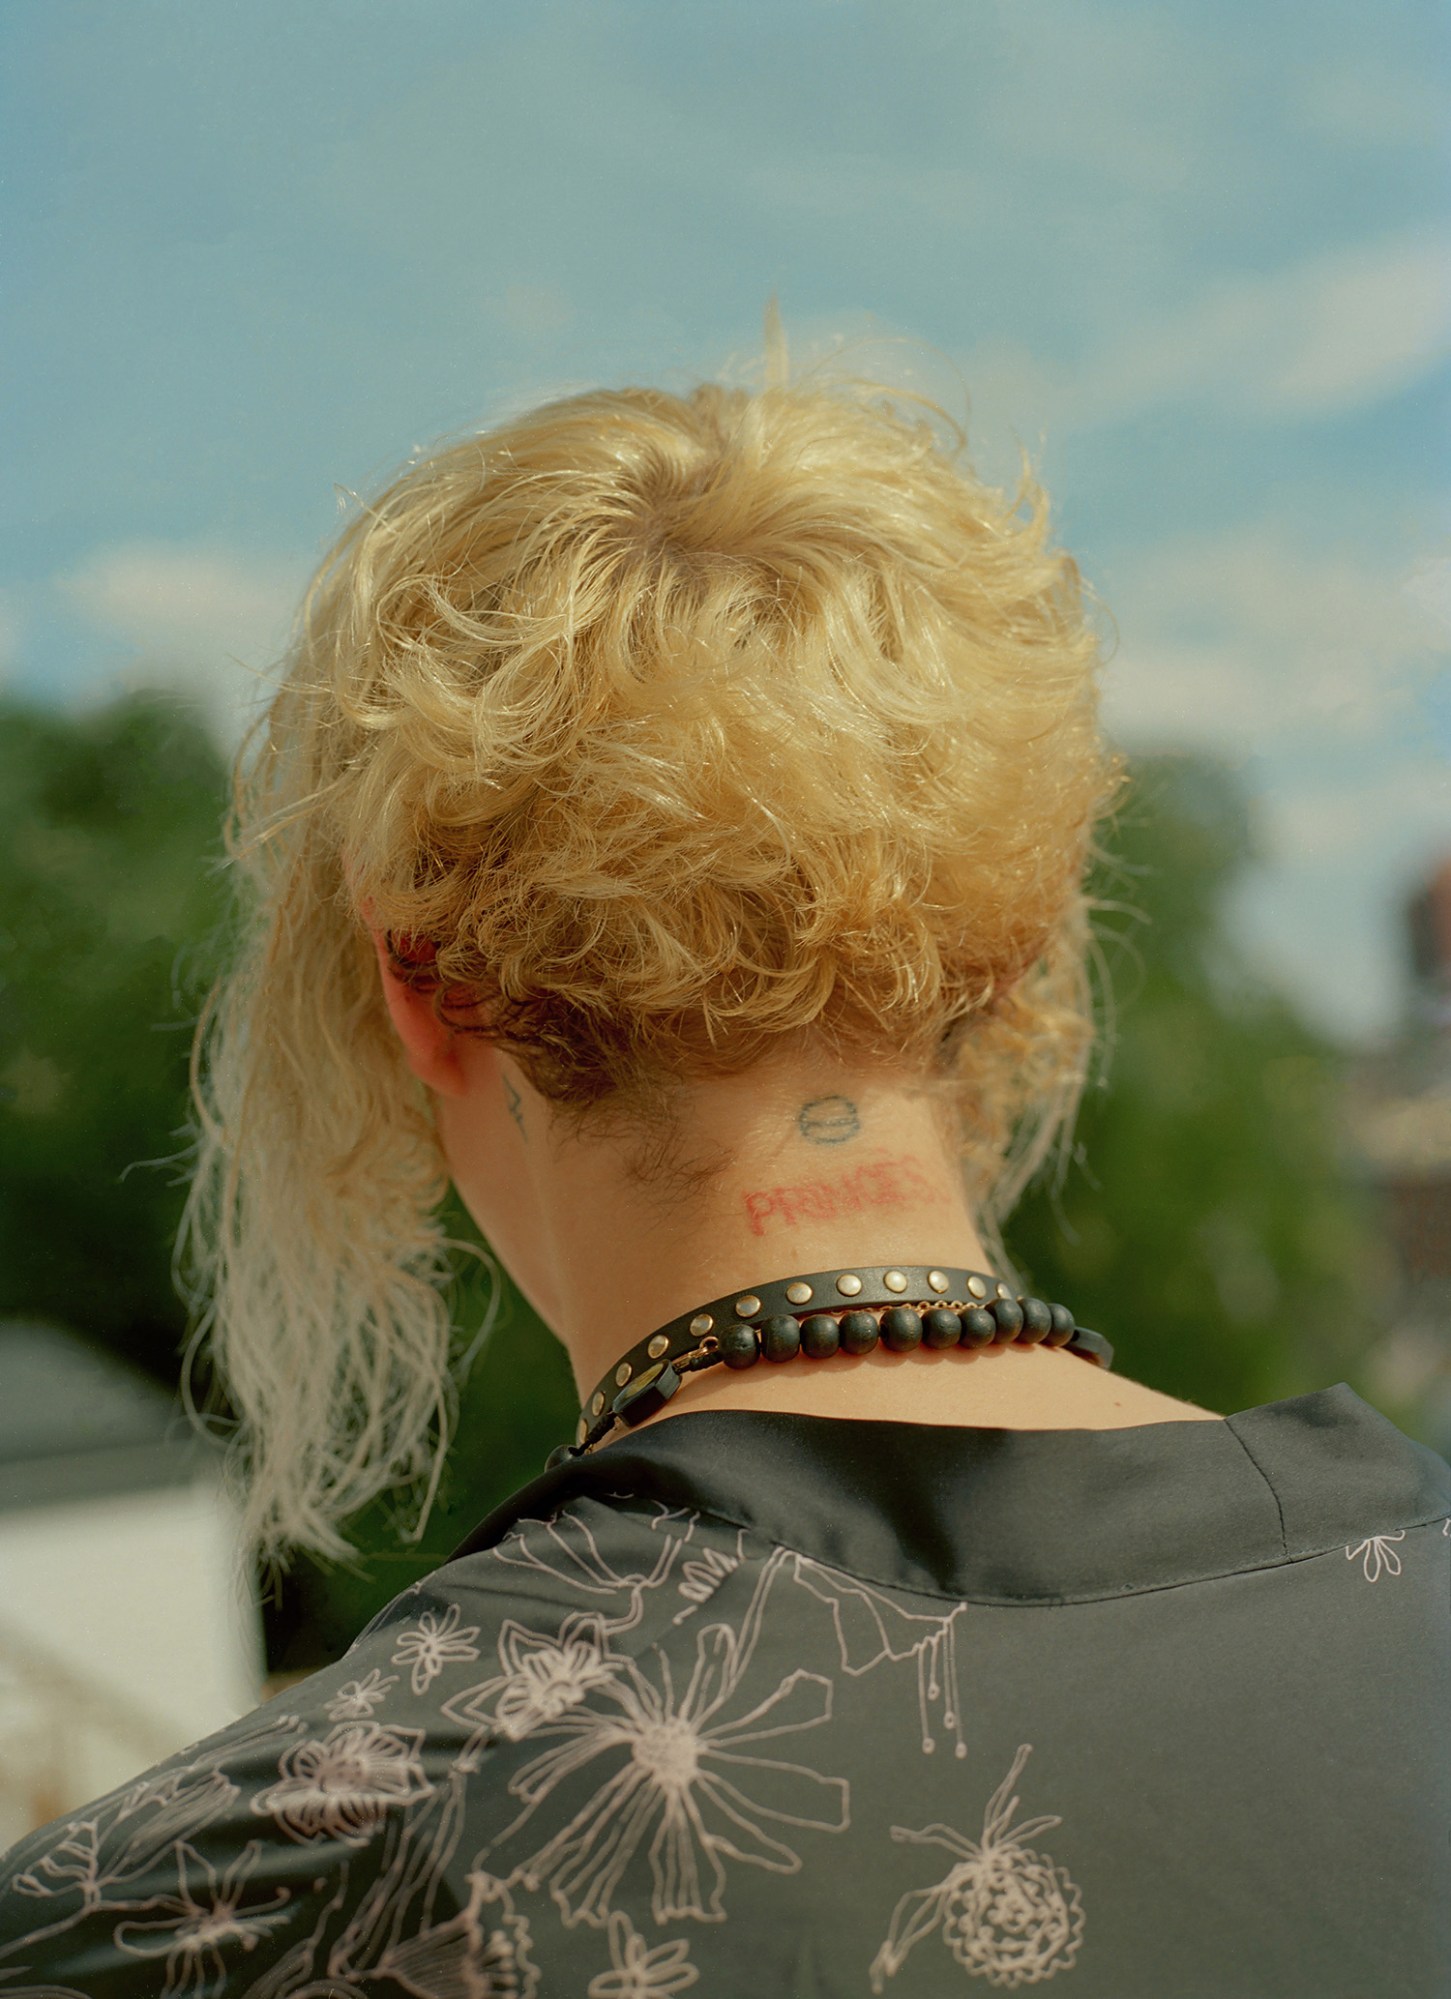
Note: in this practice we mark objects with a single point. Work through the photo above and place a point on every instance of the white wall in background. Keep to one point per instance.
(125, 1635)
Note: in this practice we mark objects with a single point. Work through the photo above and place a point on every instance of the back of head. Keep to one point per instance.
(668, 727)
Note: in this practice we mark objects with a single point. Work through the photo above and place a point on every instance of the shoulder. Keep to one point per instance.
(372, 1784)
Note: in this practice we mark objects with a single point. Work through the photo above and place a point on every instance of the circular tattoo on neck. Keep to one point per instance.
(828, 1120)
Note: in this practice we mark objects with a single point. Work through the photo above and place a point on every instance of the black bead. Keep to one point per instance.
(940, 1327)
(901, 1329)
(1037, 1321)
(560, 1455)
(1062, 1331)
(978, 1327)
(819, 1336)
(858, 1332)
(780, 1338)
(739, 1345)
(1007, 1317)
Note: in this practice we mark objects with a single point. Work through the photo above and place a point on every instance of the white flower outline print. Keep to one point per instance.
(871, 1626)
(1378, 1554)
(357, 1700)
(433, 1643)
(638, 1972)
(565, 1548)
(702, 1576)
(544, 1674)
(341, 1787)
(96, 1857)
(479, 1951)
(195, 1925)
(675, 1776)
(1007, 1914)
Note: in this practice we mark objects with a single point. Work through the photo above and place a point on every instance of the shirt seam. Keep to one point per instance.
(1274, 1494)
(1046, 1602)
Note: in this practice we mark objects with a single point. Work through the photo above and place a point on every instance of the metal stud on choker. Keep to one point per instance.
(923, 1306)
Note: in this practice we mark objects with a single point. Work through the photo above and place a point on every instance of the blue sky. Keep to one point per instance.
(1197, 257)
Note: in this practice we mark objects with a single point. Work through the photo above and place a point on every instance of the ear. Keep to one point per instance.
(430, 1047)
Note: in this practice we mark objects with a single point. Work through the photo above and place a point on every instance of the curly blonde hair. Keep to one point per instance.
(676, 724)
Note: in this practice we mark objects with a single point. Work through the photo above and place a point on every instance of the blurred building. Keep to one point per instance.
(1401, 1126)
(127, 1629)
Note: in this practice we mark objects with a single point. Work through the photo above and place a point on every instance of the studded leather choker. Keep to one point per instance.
(928, 1307)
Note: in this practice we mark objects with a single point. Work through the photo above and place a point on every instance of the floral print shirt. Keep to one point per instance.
(750, 1704)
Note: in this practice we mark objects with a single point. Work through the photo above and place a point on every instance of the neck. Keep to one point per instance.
(811, 1174)
(791, 1168)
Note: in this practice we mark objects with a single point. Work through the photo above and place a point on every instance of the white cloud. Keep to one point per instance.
(1244, 641)
(1339, 331)
(204, 622)
(1396, 809)
(1316, 339)
(1306, 668)
(1326, 918)
(1429, 586)
(1348, 329)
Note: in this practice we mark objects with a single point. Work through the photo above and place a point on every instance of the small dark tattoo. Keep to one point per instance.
(515, 1102)
(828, 1120)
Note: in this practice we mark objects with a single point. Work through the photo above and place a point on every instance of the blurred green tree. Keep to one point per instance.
(1211, 1223)
(114, 920)
(1207, 1223)
(110, 902)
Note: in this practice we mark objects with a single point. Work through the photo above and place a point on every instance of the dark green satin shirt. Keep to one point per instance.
(754, 1704)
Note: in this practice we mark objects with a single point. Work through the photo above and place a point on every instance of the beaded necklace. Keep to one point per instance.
(915, 1306)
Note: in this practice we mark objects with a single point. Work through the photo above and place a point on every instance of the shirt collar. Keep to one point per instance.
(1022, 1515)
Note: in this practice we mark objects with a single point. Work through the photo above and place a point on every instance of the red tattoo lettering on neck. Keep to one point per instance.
(894, 1181)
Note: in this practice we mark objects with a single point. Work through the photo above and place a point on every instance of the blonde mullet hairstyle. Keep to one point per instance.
(678, 724)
